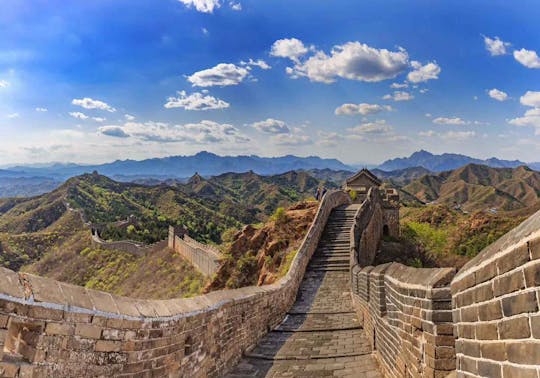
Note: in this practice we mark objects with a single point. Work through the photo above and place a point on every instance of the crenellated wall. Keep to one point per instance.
(406, 312)
(53, 329)
(497, 308)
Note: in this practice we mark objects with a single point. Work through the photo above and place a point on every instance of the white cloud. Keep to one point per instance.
(291, 139)
(129, 117)
(378, 127)
(423, 90)
(205, 31)
(4, 84)
(530, 98)
(256, 63)
(428, 133)
(223, 74)
(271, 126)
(329, 139)
(428, 115)
(78, 115)
(291, 48)
(399, 96)
(195, 101)
(235, 6)
(13, 115)
(449, 121)
(353, 61)
(495, 46)
(203, 132)
(99, 119)
(41, 110)
(422, 73)
(89, 103)
(363, 109)
(531, 117)
(528, 58)
(458, 135)
(113, 131)
(204, 6)
(399, 86)
(497, 94)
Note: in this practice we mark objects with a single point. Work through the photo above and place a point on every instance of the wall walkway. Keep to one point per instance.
(53, 329)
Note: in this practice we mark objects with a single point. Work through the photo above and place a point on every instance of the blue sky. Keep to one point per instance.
(362, 81)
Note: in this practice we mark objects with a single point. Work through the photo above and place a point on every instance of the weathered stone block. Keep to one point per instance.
(108, 346)
(489, 369)
(520, 303)
(532, 275)
(515, 328)
(523, 352)
(493, 351)
(486, 331)
(513, 259)
(490, 311)
(511, 371)
(8, 369)
(509, 283)
(88, 331)
(59, 329)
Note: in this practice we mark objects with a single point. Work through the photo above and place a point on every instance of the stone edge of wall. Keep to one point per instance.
(28, 289)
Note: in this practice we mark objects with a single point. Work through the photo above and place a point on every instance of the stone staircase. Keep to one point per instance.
(321, 335)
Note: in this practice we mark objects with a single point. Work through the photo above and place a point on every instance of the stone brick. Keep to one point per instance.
(520, 303)
(108, 346)
(489, 369)
(486, 331)
(484, 293)
(523, 352)
(515, 328)
(486, 273)
(513, 259)
(59, 329)
(534, 247)
(469, 314)
(535, 326)
(490, 311)
(532, 275)
(88, 331)
(493, 351)
(511, 371)
(509, 283)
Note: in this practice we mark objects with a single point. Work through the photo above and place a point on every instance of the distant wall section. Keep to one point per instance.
(205, 258)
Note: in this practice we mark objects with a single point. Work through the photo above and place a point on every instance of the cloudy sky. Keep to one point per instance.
(362, 81)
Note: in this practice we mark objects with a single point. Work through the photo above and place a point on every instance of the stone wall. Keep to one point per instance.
(129, 246)
(205, 258)
(53, 329)
(496, 307)
(406, 312)
(367, 230)
(407, 315)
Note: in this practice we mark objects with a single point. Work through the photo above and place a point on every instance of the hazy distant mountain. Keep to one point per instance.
(479, 187)
(446, 162)
(205, 163)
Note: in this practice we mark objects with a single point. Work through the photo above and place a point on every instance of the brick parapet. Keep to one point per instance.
(496, 307)
(49, 328)
(407, 315)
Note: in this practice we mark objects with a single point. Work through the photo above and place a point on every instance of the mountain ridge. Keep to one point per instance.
(447, 161)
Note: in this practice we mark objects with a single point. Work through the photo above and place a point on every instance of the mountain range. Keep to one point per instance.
(447, 162)
(204, 163)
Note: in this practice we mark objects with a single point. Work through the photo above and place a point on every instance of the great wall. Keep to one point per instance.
(333, 314)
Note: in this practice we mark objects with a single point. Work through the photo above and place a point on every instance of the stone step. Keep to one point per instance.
(311, 345)
(319, 322)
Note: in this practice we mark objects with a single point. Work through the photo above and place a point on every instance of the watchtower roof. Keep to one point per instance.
(367, 174)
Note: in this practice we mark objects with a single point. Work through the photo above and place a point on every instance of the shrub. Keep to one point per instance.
(280, 216)
(353, 194)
